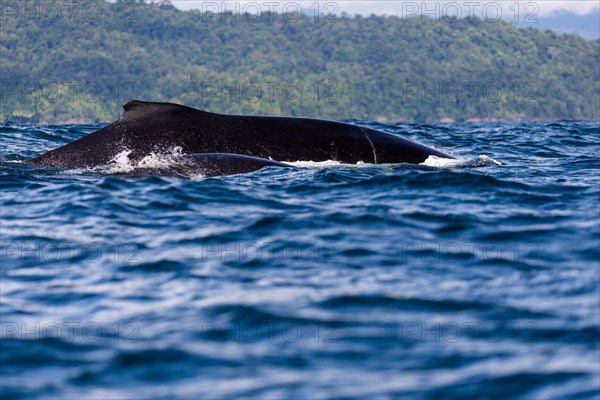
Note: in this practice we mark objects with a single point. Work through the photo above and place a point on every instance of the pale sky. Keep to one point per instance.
(403, 7)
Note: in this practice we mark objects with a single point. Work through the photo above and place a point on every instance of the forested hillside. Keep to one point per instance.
(80, 64)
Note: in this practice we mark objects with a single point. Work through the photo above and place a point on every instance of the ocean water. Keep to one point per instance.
(470, 279)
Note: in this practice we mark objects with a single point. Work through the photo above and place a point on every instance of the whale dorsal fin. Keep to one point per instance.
(135, 109)
(133, 104)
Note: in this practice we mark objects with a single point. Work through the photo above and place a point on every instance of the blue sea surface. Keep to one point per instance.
(464, 280)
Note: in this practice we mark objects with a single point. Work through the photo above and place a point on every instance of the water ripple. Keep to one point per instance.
(330, 281)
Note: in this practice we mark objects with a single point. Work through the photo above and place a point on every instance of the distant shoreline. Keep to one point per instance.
(366, 68)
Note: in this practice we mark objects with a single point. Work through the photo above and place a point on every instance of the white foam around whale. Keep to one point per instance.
(121, 163)
(481, 161)
(432, 161)
(316, 164)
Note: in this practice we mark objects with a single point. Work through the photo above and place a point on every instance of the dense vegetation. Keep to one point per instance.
(80, 62)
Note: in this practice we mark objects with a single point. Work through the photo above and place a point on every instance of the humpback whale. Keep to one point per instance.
(151, 128)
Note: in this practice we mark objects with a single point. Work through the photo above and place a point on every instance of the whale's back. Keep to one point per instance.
(147, 127)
